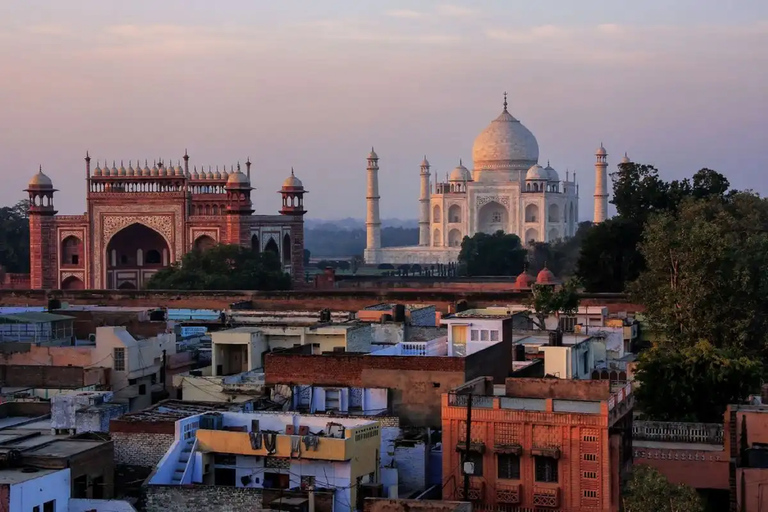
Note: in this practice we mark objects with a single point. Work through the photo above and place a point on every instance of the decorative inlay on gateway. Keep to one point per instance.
(114, 224)
(64, 234)
(481, 200)
(77, 275)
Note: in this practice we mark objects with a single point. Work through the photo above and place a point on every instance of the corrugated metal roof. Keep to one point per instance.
(32, 317)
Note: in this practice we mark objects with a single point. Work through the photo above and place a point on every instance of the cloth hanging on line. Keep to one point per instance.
(270, 442)
(311, 442)
(296, 446)
(255, 440)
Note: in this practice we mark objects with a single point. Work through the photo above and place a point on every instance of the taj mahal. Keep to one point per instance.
(507, 189)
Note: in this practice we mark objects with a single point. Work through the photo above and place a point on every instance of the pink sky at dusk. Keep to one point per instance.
(313, 87)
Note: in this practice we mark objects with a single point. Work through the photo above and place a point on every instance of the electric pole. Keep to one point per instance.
(466, 447)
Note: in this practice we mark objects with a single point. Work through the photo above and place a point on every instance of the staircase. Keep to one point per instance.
(183, 463)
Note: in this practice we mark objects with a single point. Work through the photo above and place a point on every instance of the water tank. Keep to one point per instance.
(519, 352)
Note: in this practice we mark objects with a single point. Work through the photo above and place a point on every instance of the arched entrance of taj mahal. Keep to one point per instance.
(133, 255)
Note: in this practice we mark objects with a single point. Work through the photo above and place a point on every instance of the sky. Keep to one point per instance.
(313, 85)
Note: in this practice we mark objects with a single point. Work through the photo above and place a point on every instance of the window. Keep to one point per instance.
(123, 259)
(508, 466)
(474, 335)
(496, 216)
(119, 359)
(35, 509)
(483, 335)
(49, 506)
(592, 457)
(590, 474)
(75, 259)
(590, 494)
(476, 459)
(546, 469)
(586, 362)
(494, 335)
(142, 389)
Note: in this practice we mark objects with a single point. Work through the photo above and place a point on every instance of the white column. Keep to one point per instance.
(373, 220)
(424, 204)
(601, 185)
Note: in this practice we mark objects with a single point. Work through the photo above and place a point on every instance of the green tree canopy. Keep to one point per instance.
(499, 254)
(546, 300)
(223, 267)
(14, 237)
(707, 272)
(648, 490)
(609, 256)
(693, 383)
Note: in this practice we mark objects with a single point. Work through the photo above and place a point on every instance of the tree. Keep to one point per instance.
(14, 237)
(307, 255)
(648, 490)
(707, 273)
(609, 257)
(561, 256)
(693, 383)
(498, 254)
(638, 191)
(546, 300)
(223, 267)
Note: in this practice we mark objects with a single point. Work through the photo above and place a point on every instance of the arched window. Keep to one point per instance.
(255, 247)
(272, 247)
(554, 213)
(71, 251)
(154, 257)
(204, 242)
(287, 249)
(437, 240)
(454, 238)
(454, 214)
(531, 213)
(436, 214)
(531, 235)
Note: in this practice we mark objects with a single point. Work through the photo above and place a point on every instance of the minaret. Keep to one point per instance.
(601, 185)
(424, 204)
(373, 221)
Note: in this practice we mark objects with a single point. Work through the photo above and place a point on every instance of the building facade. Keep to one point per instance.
(139, 220)
(506, 190)
(547, 444)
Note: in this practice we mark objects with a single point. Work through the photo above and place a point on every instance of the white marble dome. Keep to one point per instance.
(505, 144)
(553, 176)
(537, 173)
(460, 173)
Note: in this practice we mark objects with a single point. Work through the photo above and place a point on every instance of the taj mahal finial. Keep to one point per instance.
(291, 171)
(87, 155)
(40, 170)
(505, 101)
(460, 164)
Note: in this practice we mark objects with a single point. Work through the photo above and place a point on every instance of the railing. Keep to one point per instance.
(678, 432)
(546, 497)
(624, 391)
(479, 402)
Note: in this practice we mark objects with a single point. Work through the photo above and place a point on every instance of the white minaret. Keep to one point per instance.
(424, 204)
(601, 185)
(372, 219)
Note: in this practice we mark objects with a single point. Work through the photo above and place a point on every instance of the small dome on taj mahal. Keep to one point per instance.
(460, 173)
(537, 173)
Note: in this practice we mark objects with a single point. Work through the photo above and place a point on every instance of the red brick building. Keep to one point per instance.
(546, 444)
(139, 220)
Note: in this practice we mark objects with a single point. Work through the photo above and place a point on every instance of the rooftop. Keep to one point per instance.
(490, 313)
(174, 410)
(20, 475)
(32, 317)
(62, 448)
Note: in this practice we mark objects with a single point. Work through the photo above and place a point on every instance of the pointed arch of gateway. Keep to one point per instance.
(204, 242)
(125, 268)
(272, 247)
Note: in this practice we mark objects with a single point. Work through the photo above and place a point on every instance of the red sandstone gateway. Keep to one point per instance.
(141, 219)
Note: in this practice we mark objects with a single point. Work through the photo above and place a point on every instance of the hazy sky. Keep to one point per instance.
(314, 85)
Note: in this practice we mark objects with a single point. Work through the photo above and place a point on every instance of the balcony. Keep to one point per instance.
(546, 497)
(239, 443)
(476, 492)
(508, 494)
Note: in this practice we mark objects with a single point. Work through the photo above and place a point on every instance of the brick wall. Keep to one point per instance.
(415, 383)
(28, 354)
(38, 376)
(342, 299)
(139, 449)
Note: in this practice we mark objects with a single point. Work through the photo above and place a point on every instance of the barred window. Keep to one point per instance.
(119, 359)
(508, 466)
(546, 469)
